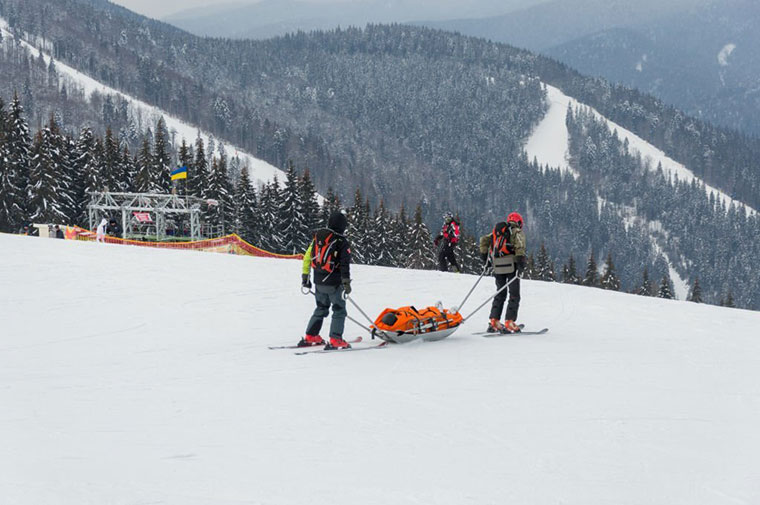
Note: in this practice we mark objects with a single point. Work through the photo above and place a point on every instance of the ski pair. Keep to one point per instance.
(381, 345)
(354, 341)
(516, 334)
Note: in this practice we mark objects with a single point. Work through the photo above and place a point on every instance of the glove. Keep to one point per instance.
(347, 286)
(437, 240)
(520, 264)
(305, 281)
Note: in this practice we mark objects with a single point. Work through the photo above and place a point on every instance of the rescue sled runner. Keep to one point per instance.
(408, 323)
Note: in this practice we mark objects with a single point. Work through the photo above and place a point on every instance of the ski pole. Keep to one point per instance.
(491, 297)
(485, 268)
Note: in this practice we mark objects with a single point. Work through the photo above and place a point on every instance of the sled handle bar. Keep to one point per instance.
(309, 291)
(491, 297)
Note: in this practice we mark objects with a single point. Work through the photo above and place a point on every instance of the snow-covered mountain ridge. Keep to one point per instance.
(259, 170)
(549, 145)
(129, 381)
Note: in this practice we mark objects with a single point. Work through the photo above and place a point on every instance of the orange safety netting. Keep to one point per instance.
(229, 244)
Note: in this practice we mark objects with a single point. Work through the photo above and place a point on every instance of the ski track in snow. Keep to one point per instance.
(131, 375)
(259, 170)
(549, 144)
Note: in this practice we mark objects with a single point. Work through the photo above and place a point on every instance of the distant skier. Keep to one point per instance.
(59, 232)
(100, 234)
(504, 248)
(447, 240)
(113, 229)
(329, 254)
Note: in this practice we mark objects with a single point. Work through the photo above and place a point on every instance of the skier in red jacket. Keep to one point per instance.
(447, 240)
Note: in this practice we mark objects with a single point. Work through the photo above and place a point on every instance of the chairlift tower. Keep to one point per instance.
(148, 214)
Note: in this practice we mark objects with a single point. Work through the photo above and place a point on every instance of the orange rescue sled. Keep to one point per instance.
(407, 324)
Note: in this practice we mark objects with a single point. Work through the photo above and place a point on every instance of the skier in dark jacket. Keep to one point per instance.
(59, 232)
(505, 248)
(113, 230)
(329, 254)
(447, 240)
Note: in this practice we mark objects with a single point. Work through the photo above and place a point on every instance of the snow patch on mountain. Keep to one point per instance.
(259, 170)
(550, 138)
(725, 53)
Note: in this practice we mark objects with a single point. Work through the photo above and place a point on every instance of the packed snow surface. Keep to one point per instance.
(549, 144)
(259, 170)
(136, 376)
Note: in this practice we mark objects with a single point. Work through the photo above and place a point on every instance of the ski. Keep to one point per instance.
(526, 333)
(381, 345)
(275, 347)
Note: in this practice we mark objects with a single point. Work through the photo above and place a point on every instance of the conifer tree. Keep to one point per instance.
(400, 242)
(185, 159)
(330, 205)
(246, 216)
(645, 289)
(49, 185)
(162, 160)
(86, 178)
(530, 268)
(311, 209)
(421, 256)
(358, 227)
(112, 172)
(198, 176)
(544, 269)
(144, 180)
(381, 236)
(18, 148)
(291, 216)
(570, 272)
(730, 300)
(128, 171)
(268, 212)
(11, 200)
(695, 294)
(218, 212)
(665, 291)
(609, 279)
(591, 277)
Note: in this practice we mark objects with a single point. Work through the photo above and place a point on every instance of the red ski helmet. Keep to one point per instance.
(516, 218)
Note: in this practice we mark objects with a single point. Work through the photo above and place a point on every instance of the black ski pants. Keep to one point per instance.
(514, 297)
(325, 297)
(446, 256)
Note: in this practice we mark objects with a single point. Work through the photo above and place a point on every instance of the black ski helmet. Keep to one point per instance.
(337, 222)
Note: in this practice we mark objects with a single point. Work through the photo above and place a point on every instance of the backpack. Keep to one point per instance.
(500, 238)
(324, 257)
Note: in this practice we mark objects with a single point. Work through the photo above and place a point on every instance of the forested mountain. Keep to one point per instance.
(704, 61)
(698, 55)
(411, 114)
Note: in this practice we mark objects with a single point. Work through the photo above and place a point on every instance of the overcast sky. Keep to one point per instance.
(161, 8)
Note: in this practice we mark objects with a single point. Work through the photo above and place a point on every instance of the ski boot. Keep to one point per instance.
(337, 343)
(495, 326)
(511, 327)
(311, 340)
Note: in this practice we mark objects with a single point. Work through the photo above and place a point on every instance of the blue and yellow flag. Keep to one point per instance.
(180, 173)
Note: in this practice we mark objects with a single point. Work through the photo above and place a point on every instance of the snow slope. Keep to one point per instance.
(549, 144)
(133, 376)
(259, 170)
